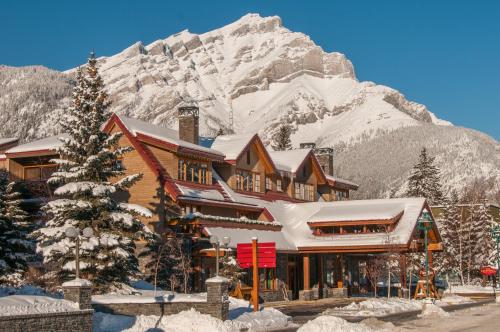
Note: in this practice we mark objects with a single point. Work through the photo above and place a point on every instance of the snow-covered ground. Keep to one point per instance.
(470, 289)
(241, 316)
(382, 306)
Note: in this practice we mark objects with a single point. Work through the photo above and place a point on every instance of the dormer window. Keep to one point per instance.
(192, 171)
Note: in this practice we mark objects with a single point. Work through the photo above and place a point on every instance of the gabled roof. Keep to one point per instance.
(336, 181)
(233, 147)
(144, 130)
(293, 160)
(45, 145)
(289, 160)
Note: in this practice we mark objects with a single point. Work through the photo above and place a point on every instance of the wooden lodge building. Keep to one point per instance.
(238, 188)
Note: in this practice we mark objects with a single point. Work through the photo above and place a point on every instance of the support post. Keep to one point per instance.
(320, 275)
(255, 271)
(306, 265)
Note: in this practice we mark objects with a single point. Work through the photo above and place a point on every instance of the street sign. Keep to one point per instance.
(266, 253)
(488, 270)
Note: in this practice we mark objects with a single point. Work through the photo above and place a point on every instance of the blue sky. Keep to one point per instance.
(444, 54)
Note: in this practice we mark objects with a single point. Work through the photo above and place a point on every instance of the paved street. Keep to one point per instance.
(484, 318)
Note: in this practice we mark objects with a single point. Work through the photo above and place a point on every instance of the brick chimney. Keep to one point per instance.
(189, 123)
(308, 145)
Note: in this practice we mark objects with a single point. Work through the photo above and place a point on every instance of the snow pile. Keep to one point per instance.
(32, 304)
(186, 321)
(332, 324)
(432, 310)
(466, 289)
(268, 318)
(449, 299)
(191, 321)
(376, 307)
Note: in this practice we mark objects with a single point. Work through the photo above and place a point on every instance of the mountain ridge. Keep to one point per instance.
(256, 69)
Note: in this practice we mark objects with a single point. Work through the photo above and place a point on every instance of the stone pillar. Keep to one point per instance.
(79, 291)
(217, 297)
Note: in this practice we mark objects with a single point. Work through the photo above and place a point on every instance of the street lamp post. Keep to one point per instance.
(495, 233)
(214, 240)
(74, 233)
(425, 224)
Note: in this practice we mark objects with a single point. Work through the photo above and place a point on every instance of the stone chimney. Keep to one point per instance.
(325, 158)
(189, 123)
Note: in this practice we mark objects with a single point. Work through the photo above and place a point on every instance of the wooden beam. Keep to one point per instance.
(435, 246)
(306, 268)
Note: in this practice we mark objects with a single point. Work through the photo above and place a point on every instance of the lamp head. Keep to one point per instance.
(88, 232)
(71, 232)
(226, 240)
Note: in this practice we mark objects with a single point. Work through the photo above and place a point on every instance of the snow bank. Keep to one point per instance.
(449, 299)
(376, 307)
(332, 324)
(240, 314)
(33, 304)
(432, 310)
(190, 321)
(470, 289)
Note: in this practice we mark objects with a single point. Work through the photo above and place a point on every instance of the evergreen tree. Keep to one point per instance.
(230, 269)
(15, 249)
(451, 229)
(281, 140)
(424, 180)
(86, 181)
(484, 244)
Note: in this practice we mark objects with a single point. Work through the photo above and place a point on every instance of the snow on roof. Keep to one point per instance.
(34, 304)
(162, 133)
(239, 235)
(212, 194)
(7, 140)
(337, 179)
(381, 211)
(294, 218)
(232, 145)
(289, 160)
(49, 143)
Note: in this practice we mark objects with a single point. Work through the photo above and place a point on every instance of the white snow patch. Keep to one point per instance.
(332, 324)
(32, 304)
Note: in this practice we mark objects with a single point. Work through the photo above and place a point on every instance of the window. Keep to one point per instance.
(304, 192)
(340, 195)
(278, 185)
(267, 277)
(248, 181)
(257, 183)
(192, 171)
(248, 157)
(269, 183)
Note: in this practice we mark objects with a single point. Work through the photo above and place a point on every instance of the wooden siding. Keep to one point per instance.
(145, 191)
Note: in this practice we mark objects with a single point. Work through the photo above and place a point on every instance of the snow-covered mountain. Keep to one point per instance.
(262, 72)
(254, 68)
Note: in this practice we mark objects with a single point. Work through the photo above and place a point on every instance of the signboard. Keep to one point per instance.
(488, 271)
(266, 254)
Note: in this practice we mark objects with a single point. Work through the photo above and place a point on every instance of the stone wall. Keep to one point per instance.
(217, 304)
(74, 321)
